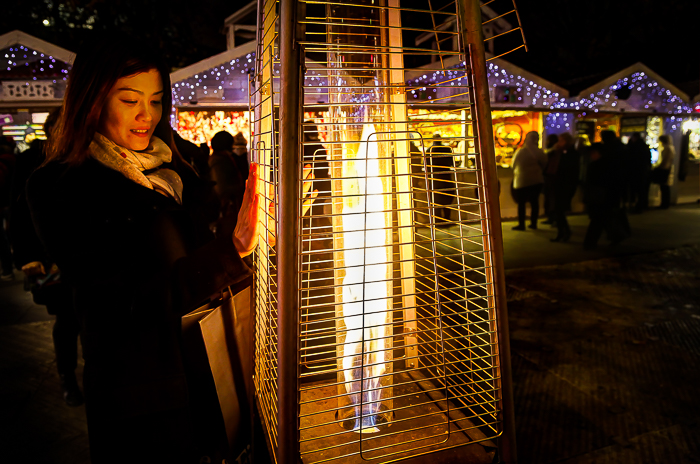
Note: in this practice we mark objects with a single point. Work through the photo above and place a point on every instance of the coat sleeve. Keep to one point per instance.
(206, 271)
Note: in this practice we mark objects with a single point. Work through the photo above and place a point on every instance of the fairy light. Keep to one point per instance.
(20, 62)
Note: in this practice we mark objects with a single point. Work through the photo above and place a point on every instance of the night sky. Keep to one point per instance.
(577, 43)
(572, 43)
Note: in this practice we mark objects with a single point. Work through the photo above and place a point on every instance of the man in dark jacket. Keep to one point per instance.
(618, 160)
(565, 183)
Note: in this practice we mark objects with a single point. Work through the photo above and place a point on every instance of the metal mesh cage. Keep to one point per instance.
(396, 338)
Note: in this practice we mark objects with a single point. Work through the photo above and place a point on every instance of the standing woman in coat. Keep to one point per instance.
(528, 164)
(118, 209)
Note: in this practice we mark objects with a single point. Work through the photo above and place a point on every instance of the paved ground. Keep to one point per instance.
(606, 359)
(605, 347)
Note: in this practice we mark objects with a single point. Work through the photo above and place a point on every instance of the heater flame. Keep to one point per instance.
(366, 286)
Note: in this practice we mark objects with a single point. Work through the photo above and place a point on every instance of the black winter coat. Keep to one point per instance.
(137, 262)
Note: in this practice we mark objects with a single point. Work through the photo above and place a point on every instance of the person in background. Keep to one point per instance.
(528, 164)
(584, 151)
(618, 162)
(119, 210)
(240, 155)
(42, 276)
(7, 167)
(662, 171)
(440, 163)
(549, 176)
(195, 155)
(565, 184)
(640, 172)
(595, 196)
(229, 184)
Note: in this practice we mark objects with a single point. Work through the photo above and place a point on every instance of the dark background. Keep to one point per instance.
(573, 43)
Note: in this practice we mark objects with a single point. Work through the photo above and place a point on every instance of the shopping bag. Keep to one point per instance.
(217, 337)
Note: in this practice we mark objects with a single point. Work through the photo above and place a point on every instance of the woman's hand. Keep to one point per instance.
(245, 237)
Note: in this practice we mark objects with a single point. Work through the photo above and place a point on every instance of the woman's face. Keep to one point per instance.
(133, 109)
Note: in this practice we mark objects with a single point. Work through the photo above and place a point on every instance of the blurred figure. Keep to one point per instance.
(440, 163)
(240, 155)
(596, 196)
(230, 185)
(640, 172)
(528, 164)
(602, 192)
(552, 140)
(7, 167)
(549, 175)
(317, 157)
(565, 184)
(42, 276)
(618, 160)
(196, 155)
(662, 172)
(584, 151)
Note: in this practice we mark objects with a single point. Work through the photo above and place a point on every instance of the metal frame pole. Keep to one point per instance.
(287, 233)
(470, 11)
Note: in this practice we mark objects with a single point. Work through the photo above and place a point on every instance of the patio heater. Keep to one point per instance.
(380, 329)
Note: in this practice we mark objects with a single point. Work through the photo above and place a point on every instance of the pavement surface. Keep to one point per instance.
(605, 350)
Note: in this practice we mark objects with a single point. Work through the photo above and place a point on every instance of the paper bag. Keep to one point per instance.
(224, 333)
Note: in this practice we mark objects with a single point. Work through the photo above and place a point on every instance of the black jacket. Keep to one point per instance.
(137, 262)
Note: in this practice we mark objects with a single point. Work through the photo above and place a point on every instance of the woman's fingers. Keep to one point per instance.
(246, 233)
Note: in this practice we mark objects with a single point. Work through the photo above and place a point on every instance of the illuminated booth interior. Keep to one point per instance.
(380, 328)
(199, 126)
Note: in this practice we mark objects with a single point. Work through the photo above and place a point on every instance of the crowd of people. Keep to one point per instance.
(615, 178)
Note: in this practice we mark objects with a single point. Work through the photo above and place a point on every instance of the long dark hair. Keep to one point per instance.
(96, 69)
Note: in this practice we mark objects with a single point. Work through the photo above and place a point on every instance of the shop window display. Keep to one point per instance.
(509, 129)
(200, 126)
(446, 122)
(693, 127)
(654, 131)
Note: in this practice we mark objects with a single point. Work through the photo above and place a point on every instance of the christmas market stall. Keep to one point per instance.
(212, 95)
(32, 83)
(520, 102)
(637, 99)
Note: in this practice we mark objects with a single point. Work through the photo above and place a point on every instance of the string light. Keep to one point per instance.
(23, 63)
(230, 82)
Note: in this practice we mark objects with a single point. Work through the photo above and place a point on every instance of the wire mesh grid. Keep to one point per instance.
(263, 91)
(397, 353)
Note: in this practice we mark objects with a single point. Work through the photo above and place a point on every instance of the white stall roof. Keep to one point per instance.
(211, 62)
(630, 70)
(636, 88)
(18, 37)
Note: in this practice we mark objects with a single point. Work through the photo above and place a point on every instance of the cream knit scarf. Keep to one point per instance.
(140, 166)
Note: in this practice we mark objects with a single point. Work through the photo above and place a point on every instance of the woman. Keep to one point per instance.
(528, 164)
(662, 172)
(119, 210)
